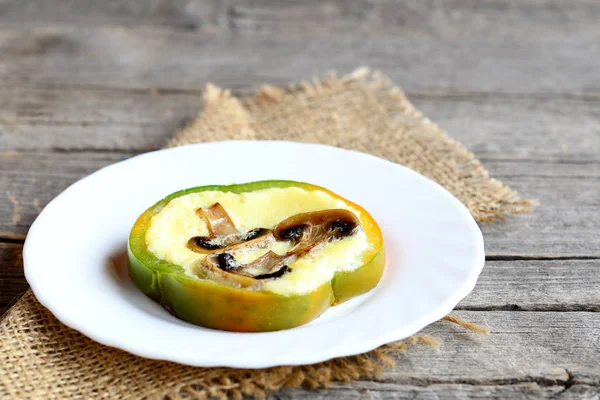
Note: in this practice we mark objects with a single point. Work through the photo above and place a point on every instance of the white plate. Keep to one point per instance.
(434, 251)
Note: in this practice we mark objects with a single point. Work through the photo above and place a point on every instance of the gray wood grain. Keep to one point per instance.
(63, 117)
(70, 117)
(525, 285)
(519, 126)
(310, 17)
(12, 279)
(541, 348)
(389, 390)
(28, 181)
(537, 285)
(84, 84)
(523, 348)
(565, 225)
(544, 347)
(501, 46)
(535, 354)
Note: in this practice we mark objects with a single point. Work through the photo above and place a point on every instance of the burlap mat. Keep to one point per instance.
(41, 358)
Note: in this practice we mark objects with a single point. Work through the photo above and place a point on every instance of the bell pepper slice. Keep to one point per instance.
(214, 304)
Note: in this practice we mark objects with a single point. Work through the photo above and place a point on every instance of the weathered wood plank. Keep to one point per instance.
(566, 224)
(514, 81)
(12, 280)
(493, 125)
(534, 285)
(66, 118)
(544, 347)
(537, 285)
(500, 358)
(71, 117)
(425, 46)
(523, 347)
(171, 14)
(310, 17)
(389, 390)
(28, 181)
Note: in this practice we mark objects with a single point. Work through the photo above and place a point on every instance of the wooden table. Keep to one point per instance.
(84, 84)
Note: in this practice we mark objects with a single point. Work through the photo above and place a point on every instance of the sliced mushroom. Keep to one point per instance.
(225, 267)
(306, 231)
(221, 267)
(259, 237)
(218, 221)
(224, 234)
(327, 224)
(277, 274)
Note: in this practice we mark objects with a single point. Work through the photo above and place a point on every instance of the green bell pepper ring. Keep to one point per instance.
(215, 305)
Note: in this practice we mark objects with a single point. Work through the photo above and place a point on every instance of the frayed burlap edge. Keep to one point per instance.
(43, 359)
(434, 154)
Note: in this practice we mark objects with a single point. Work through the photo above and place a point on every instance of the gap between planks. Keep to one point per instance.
(242, 90)
(21, 240)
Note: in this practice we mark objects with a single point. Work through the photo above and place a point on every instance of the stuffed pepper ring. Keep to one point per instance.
(254, 257)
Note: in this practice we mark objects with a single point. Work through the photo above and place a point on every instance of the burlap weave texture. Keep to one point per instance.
(41, 358)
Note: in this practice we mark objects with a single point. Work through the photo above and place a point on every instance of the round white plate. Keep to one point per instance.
(74, 254)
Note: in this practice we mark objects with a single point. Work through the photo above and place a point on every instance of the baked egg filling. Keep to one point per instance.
(172, 227)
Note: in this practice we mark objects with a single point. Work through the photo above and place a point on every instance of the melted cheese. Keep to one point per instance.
(177, 222)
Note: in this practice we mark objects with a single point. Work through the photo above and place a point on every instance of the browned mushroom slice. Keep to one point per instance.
(218, 221)
(306, 230)
(277, 274)
(259, 237)
(327, 224)
(268, 263)
(225, 267)
(224, 234)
